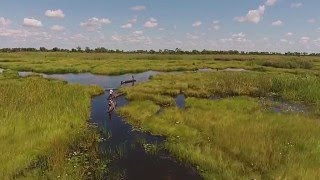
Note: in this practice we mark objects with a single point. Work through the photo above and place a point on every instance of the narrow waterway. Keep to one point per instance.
(128, 148)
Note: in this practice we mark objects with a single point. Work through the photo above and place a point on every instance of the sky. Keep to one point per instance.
(246, 25)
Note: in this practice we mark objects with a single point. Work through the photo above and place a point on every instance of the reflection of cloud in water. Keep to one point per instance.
(102, 80)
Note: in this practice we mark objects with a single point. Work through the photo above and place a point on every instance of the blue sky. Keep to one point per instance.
(251, 25)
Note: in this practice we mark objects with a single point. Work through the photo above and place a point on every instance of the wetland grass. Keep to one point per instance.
(232, 138)
(115, 64)
(41, 122)
(235, 137)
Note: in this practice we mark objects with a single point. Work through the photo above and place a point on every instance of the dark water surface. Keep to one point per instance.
(279, 105)
(128, 148)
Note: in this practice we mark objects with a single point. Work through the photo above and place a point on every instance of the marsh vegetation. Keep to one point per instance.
(115, 64)
(44, 128)
(232, 125)
(235, 136)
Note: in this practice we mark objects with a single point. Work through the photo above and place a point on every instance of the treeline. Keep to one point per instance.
(160, 51)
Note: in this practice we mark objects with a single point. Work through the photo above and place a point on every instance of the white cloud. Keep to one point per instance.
(177, 41)
(22, 33)
(161, 29)
(216, 22)
(225, 40)
(151, 23)
(116, 37)
(133, 20)
(31, 22)
(316, 42)
(253, 16)
(216, 27)
(304, 40)
(137, 32)
(197, 24)
(79, 37)
(4, 21)
(265, 39)
(241, 35)
(240, 40)
(277, 23)
(55, 13)
(127, 26)
(174, 27)
(291, 42)
(138, 8)
(95, 23)
(296, 5)
(312, 20)
(57, 28)
(283, 40)
(236, 38)
(289, 34)
(135, 37)
(190, 36)
(270, 2)
(153, 19)
(130, 23)
(11, 33)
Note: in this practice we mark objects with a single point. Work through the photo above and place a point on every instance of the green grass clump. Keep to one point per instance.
(9, 74)
(289, 64)
(40, 120)
(162, 100)
(236, 137)
(146, 109)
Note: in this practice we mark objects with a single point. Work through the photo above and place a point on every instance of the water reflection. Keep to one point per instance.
(107, 82)
(278, 105)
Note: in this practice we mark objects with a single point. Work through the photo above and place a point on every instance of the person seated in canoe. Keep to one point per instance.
(128, 81)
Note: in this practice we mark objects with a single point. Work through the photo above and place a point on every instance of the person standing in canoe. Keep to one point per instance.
(111, 94)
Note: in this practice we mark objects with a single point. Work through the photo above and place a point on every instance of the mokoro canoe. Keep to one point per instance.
(128, 81)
